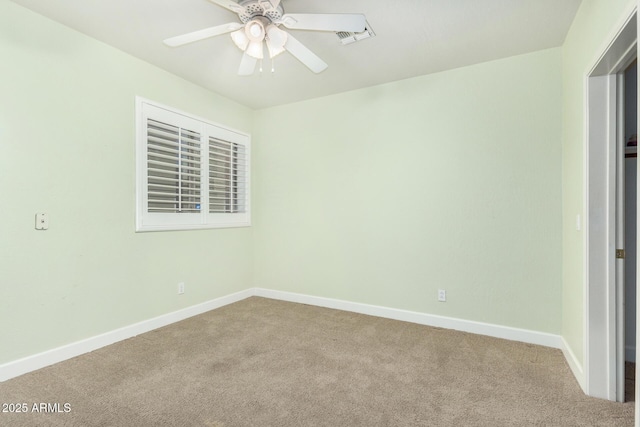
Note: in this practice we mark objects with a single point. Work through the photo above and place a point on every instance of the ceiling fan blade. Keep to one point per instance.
(275, 40)
(247, 65)
(202, 34)
(304, 55)
(350, 22)
(230, 5)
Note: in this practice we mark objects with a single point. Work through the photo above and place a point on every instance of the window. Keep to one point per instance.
(191, 173)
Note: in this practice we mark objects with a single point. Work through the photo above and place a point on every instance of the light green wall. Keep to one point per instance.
(67, 148)
(447, 181)
(383, 195)
(594, 25)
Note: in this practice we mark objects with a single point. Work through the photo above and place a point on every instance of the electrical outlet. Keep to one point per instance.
(180, 288)
(442, 295)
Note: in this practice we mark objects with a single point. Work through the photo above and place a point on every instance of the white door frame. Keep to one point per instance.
(601, 344)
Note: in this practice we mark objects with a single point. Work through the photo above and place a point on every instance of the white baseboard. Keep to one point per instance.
(31, 363)
(497, 331)
(37, 361)
(574, 365)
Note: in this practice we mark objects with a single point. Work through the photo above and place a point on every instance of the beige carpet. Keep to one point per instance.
(262, 362)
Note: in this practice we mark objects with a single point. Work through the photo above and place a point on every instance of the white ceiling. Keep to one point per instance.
(413, 37)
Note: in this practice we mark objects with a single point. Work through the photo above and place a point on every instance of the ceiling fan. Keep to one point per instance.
(261, 21)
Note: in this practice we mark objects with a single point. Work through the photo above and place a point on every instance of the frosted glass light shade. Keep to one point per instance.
(255, 30)
(255, 50)
(276, 39)
(240, 39)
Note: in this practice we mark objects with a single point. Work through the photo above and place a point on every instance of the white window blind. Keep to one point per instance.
(227, 172)
(173, 168)
(190, 173)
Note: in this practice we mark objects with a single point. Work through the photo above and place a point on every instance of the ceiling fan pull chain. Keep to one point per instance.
(261, 66)
(273, 65)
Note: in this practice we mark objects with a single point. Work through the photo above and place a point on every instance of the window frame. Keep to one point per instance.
(169, 221)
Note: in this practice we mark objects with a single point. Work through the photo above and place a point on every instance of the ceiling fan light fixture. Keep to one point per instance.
(255, 50)
(255, 30)
(240, 39)
(274, 50)
(276, 39)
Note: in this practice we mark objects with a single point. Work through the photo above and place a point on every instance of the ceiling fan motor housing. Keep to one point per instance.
(256, 8)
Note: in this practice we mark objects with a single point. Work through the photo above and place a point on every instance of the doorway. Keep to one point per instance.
(629, 175)
(604, 352)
